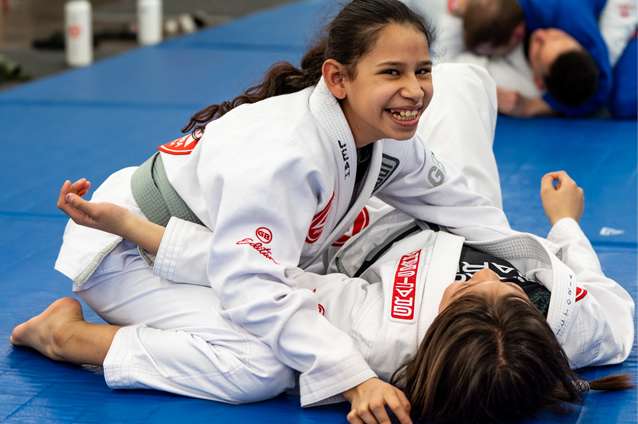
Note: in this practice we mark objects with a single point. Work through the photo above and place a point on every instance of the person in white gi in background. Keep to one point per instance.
(366, 306)
(279, 178)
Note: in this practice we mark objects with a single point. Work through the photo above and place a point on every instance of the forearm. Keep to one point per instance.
(142, 232)
(535, 106)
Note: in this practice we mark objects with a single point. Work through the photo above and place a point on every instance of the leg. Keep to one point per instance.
(173, 338)
(60, 333)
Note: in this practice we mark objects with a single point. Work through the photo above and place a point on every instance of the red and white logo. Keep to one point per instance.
(180, 146)
(318, 222)
(321, 309)
(361, 221)
(580, 293)
(404, 289)
(264, 234)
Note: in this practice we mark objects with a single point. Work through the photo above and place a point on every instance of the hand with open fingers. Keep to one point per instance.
(369, 399)
(102, 216)
(561, 197)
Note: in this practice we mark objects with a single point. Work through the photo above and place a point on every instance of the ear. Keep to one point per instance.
(334, 75)
(519, 33)
(540, 83)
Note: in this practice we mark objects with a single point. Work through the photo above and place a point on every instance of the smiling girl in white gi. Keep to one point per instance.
(278, 178)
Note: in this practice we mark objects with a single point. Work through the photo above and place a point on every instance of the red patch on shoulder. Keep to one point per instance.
(580, 293)
(318, 222)
(180, 146)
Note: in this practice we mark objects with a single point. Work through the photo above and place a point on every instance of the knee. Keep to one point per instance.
(263, 383)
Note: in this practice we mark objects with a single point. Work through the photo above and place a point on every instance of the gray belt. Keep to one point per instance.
(155, 195)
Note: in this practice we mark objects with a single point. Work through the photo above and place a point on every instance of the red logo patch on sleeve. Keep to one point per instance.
(404, 289)
(361, 221)
(318, 222)
(580, 293)
(180, 146)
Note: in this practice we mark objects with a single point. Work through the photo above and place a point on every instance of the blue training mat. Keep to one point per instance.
(90, 122)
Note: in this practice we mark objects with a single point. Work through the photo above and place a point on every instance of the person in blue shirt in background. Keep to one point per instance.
(579, 68)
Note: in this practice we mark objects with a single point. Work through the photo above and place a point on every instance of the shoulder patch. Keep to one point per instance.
(389, 164)
(180, 146)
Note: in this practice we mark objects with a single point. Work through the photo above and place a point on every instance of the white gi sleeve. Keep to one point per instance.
(259, 232)
(439, 194)
(603, 330)
(183, 253)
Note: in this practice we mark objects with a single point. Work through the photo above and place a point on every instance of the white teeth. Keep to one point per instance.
(404, 115)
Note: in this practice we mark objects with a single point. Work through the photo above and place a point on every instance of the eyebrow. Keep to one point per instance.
(393, 63)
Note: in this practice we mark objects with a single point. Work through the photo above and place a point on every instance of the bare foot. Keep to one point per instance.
(46, 332)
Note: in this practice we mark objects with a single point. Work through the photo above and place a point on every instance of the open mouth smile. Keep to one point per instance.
(406, 117)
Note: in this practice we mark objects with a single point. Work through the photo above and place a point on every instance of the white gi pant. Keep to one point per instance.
(173, 337)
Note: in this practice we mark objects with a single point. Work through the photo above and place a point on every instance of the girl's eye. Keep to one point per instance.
(392, 72)
(424, 71)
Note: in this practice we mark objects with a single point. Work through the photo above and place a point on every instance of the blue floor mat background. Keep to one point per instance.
(92, 121)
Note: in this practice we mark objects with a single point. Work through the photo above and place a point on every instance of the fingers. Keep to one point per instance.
(561, 178)
(81, 186)
(375, 412)
(400, 405)
(79, 203)
(378, 409)
(63, 191)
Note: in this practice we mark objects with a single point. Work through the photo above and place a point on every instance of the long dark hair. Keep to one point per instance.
(489, 359)
(349, 36)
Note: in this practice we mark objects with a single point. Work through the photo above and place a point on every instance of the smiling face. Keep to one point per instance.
(390, 87)
(545, 46)
(486, 283)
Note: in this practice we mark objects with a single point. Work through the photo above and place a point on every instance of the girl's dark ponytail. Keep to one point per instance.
(281, 78)
(609, 383)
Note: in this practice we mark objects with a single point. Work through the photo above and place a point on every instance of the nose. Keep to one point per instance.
(413, 90)
(484, 275)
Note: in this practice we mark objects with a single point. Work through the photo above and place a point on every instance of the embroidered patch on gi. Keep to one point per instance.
(404, 288)
(318, 222)
(264, 234)
(580, 293)
(321, 309)
(436, 173)
(389, 164)
(264, 251)
(361, 221)
(180, 146)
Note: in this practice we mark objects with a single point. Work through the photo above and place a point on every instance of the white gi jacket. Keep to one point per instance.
(388, 310)
(273, 181)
